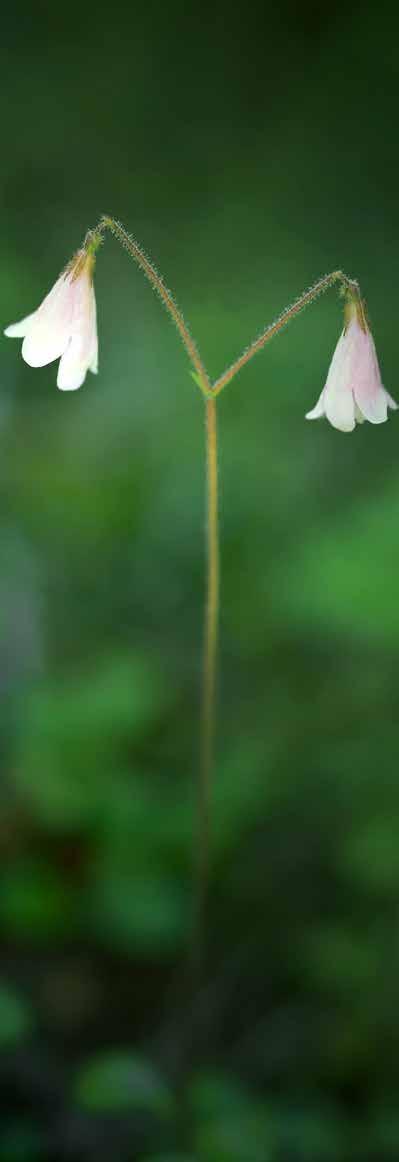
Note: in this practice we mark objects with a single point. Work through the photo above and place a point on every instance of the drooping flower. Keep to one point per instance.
(64, 326)
(353, 391)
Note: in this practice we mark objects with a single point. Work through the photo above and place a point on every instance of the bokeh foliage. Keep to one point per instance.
(249, 160)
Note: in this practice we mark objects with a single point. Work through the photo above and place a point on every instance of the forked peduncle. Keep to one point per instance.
(210, 392)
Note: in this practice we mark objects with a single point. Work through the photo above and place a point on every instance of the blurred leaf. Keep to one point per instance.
(16, 1018)
(75, 730)
(235, 1137)
(371, 854)
(141, 911)
(237, 800)
(147, 821)
(232, 1123)
(342, 958)
(122, 1082)
(211, 1093)
(338, 580)
(310, 1135)
(34, 901)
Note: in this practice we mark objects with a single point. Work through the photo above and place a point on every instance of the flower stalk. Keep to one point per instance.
(64, 326)
(209, 678)
(348, 285)
(148, 268)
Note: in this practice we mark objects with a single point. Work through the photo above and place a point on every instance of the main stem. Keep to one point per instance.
(209, 673)
(210, 392)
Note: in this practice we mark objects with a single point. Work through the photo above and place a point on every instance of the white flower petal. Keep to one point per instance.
(49, 332)
(391, 402)
(93, 365)
(370, 396)
(19, 330)
(318, 411)
(72, 369)
(81, 353)
(64, 326)
(340, 409)
(42, 345)
(336, 400)
(84, 321)
(374, 408)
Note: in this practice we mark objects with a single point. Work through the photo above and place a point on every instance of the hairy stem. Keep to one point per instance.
(209, 674)
(305, 299)
(93, 240)
(165, 295)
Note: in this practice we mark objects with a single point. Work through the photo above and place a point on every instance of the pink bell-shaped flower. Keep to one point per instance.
(353, 391)
(64, 326)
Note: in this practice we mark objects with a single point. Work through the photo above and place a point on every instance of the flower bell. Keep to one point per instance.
(65, 326)
(353, 391)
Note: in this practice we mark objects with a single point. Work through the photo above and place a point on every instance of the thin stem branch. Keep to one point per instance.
(165, 295)
(304, 300)
(209, 675)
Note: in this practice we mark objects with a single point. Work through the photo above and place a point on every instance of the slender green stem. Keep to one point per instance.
(165, 295)
(286, 316)
(93, 240)
(209, 675)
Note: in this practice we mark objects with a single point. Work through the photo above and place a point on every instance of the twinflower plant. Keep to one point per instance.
(64, 327)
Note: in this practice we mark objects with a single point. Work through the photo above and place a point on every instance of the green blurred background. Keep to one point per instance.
(250, 151)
